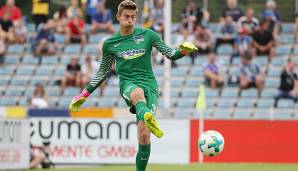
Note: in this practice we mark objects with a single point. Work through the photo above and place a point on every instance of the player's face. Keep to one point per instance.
(127, 18)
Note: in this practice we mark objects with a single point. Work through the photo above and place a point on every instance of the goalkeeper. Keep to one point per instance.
(131, 48)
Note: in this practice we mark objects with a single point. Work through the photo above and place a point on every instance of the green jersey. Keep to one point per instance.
(132, 56)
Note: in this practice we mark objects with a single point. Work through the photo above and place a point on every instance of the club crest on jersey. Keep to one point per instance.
(139, 39)
(132, 54)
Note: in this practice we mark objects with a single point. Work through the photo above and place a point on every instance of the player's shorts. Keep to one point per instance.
(151, 98)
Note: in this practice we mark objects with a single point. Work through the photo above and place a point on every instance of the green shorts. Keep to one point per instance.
(151, 98)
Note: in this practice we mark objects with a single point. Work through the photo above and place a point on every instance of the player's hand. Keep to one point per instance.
(187, 48)
(78, 100)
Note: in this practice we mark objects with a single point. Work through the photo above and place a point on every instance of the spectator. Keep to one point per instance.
(20, 32)
(74, 9)
(44, 42)
(243, 42)
(37, 156)
(102, 20)
(228, 32)
(203, 39)
(263, 41)
(232, 10)
(13, 12)
(250, 74)
(75, 31)
(184, 36)
(296, 28)
(191, 16)
(40, 98)
(90, 8)
(212, 74)
(72, 75)
(248, 21)
(89, 68)
(273, 17)
(6, 29)
(289, 83)
(60, 18)
(40, 11)
(158, 16)
(2, 51)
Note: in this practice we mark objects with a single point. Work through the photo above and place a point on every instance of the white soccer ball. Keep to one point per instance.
(211, 143)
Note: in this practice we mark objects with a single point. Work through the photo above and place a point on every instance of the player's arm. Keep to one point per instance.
(98, 78)
(172, 54)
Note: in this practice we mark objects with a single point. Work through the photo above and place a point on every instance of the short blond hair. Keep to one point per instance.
(127, 5)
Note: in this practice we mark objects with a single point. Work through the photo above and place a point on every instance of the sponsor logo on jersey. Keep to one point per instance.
(132, 54)
(139, 39)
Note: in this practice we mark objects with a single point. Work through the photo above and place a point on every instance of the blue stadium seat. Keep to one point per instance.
(44, 70)
(210, 102)
(49, 60)
(262, 114)
(246, 103)
(97, 38)
(183, 113)
(63, 102)
(283, 114)
(186, 103)
(72, 49)
(159, 71)
(184, 61)
(283, 50)
(106, 102)
(197, 72)
(241, 113)
(15, 48)
(90, 102)
(288, 28)
(230, 92)
(236, 61)
(111, 92)
(211, 92)
(29, 59)
(226, 102)
(261, 60)
(189, 93)
(265, 103)
(53, 101)
(285, 103)
(225, 50)
(8, 101)
(222, 113)
(249, 93)
(19, 80)
(53, 90)
(60, 38)
(121, 103)
(179, 71)
(4, 80)
(7, 70)
(278, 61)
(12, 59)
(193, 82)
(25, 70)
(15, 91)
(39, 79)
(200, 60)
(71, 91)
(271, 82)
(91, 49)
(269, 92)
(176, 82)
(286, 38)
(175, 92)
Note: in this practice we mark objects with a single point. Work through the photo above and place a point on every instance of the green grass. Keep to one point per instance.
(192, 167)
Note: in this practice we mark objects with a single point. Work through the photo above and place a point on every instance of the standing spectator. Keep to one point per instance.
(232, 10)
(158, 16)
(74, 9)
(250, 74)
(203, 39)
(75, 31)
(40, 11)
(2, 51)
(243, 42)
(191, 16)
(289, 83)
(212, 74)
(40, 98)
(89, 68)
(61, 19)
(44, 42)
(90, 8)
(72, 75)
(273, 17)
(228, 32)
(20, 31)
(102, 20)
(263, 41)
(248, 21)
(6, 29)
(13, 12)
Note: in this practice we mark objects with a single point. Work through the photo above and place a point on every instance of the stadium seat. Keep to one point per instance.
(274, 72)
(39, 79)
(246, 103)
(106, 102)
(225, 50)
(20, 80)
(14, 91)
(242, 113)
(265, 103)
(261, 60)
(44, 70)
(4, 80)
(25, 70)
(15, 49)
(221, 113)
(90, 102)
(226, 102)
(269, 93)
(7, 69)
(230, 92)
(24, 101)
(29, 59)
(179, 71)
(271, 82)
(286, 38)
(49, 60)
(183, 113)
(177, 82)
(199, 60)
(63, 102)
(211, 102)
(211, 92)
(197, 72)
(193, 82)
(159, 71)
(262, 114)
(186, 103)
(288, 28)
(8, 101)
(12, 59)
(98, 38)
(236, 61)
(71, 91)
(283, 50)
(73, 49)
(121, 103)
(53, 90)
(279, 61)
(184, 61)
(111, 92)
(285, 103)
(60, 38)
(283, 114)
(175, 92)
(189, 92)
(91, 49)
(249, 93)
(53, 101)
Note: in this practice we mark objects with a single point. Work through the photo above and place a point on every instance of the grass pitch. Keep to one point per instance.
(192, 167)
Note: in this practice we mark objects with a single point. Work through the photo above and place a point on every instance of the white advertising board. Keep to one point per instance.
(108, 141)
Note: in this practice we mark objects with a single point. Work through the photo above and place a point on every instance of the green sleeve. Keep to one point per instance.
(101, 74)
(160, 45)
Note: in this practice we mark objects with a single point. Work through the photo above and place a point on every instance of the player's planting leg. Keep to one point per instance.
(144, 147)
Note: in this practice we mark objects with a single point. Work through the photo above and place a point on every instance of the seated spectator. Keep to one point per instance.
(191, 16)
(20, 32)
(89, 68)
(44, 42)
(248, 21)
(263, 41)
(232, 9)
(14, 13)
(75, 31)
(243, 42)
(6, 29)
(40, 98)
(90, 8)
(72, 75)
(40, 11)
(74, 9)
(203, 39)
(60, 18)
(158, 17)
(184, 36)
(102, 20)
(2, 51)
(228, 32)
(250, 74)
(273, 17)
(212, 74)
(288, 88)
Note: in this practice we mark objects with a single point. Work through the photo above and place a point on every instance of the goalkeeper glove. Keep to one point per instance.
(187, 48)
(78, 100)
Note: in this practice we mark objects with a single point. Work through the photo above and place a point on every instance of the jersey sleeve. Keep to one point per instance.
(101, 74)
(168, 52)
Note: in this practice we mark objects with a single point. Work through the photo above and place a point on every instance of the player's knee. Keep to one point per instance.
(137, 95)
(144, 137)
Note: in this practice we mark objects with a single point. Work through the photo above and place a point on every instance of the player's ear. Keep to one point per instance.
(118, 16)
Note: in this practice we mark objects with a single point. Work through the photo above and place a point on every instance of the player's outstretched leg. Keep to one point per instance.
(143, 112)
(144, 147)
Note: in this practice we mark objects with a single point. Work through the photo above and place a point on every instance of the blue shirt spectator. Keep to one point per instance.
(243, 42)
(104, 17)
(102, 20)
(90, 8)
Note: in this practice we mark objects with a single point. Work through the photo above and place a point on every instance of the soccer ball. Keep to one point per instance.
(211, 143)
